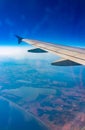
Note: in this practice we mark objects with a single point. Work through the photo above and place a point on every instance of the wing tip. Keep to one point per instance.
(19, 39)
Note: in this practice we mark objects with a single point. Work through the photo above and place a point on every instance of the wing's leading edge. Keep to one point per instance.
(72, 55)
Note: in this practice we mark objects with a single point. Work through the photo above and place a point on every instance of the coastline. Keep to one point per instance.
(27, 112)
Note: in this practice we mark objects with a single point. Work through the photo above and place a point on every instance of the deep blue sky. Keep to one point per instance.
(58, 21)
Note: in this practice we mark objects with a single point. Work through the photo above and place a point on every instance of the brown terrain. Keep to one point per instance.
(62, 111)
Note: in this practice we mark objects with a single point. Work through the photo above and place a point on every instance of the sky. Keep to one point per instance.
(56, 21)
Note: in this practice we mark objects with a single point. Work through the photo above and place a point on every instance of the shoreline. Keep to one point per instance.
(27, 112)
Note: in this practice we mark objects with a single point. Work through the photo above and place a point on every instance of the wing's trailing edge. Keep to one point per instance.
(73, 56)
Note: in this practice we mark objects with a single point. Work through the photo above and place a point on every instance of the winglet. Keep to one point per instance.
(19, 39)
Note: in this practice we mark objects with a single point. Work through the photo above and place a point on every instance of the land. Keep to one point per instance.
(63, 110)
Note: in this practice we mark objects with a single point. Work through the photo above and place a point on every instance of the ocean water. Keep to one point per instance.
(14, 118)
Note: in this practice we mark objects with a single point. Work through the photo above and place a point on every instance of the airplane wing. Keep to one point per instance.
(71, 55)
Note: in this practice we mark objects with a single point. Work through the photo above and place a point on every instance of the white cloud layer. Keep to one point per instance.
(21, 53)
